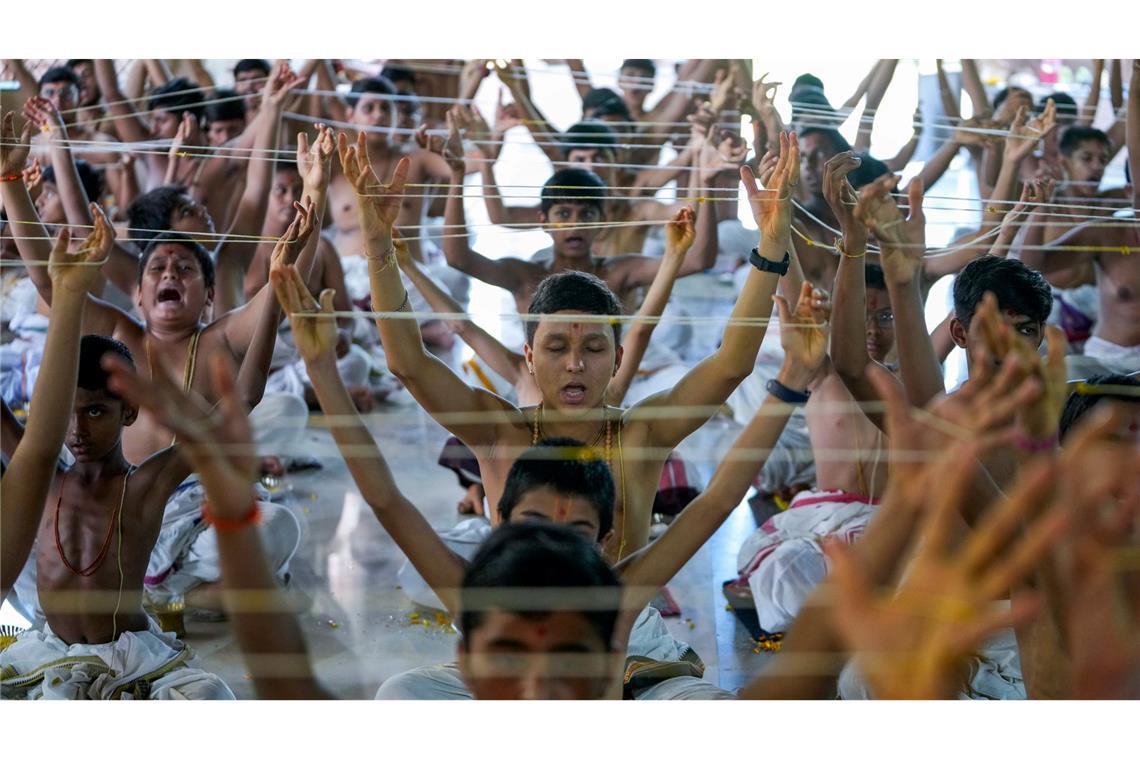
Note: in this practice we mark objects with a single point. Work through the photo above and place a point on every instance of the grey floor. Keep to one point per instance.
(359, 623)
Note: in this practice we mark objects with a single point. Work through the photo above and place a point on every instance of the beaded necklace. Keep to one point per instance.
(605, 431)
(117, 516)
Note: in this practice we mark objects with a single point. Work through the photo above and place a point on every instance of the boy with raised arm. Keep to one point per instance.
(575, 355)
(93, 642)
(1108, 246)
(511, 365)
(175, 288)
(33, 451)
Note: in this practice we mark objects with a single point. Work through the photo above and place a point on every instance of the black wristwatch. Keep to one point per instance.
(767, 265)
(786, 394)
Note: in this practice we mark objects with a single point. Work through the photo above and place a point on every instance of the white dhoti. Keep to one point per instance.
(146, 664)
(994, 674)
(782, 559)
(20, 359)
(186, 553)
(1121, 360)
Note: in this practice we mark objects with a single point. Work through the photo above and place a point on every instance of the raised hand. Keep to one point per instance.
(42, 113)
(902, 239)
(378, 203)
(290, 245)
(218, 442)
(13, 150)
(968, 132)
(314, 325)
(702, 123)
(280, 85)
(763, 95)
(313, 163)
(507, 116)
(472, 75)
(33, 176)
(720, 153)
(471, 123)
(189, 135)
(768, 168)
(680, 233)
(1041, 418)
(772, 208)
(723, 93)
(914, 642)
(1033, 194)
(1024, 134)
(804, 332)
(76, 272)
(451, 148)
(985, 408)
(841, 198)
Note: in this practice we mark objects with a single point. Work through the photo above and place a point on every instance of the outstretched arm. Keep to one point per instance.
(580, 76)
(122, 265)
(535, 121)
(880, 80)
(297, 246)
(507, 363)
(26, 481)
(237, 249)
(972, 83)
(315, 336)
(679, 236)
(430, 381)
(502, 273)
(849, 354)
(804, 337)
(32, 239)
(128, 125)
(713, 380)
(903, 244)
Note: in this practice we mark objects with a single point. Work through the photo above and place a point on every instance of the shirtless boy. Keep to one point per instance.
(1110, 247)
(573, 362)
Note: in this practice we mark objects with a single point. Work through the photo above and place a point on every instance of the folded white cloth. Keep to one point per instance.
(146, 664)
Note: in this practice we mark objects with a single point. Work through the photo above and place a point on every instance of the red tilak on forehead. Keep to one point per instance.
(540, 630)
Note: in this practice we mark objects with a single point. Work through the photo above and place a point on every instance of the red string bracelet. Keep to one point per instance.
(226, 525)
(11, 177)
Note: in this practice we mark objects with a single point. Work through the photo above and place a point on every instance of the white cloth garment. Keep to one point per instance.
(1122, 360)
(359, 288)
(146, 664)
(994, 674)
(783, 560)
(186, 553)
